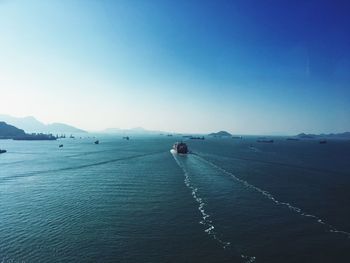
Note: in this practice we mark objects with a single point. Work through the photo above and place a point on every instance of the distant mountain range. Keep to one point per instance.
(137, 130)
(344, 135)
(31, 125)
(220, 134)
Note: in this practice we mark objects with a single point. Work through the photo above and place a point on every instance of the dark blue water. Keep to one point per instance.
(134, 201)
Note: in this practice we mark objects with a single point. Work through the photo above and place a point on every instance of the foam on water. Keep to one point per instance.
(206, 221)
(254, 149)
(248, 259)
(330, 228)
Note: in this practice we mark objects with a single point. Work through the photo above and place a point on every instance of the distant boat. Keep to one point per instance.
(265, 140)
(322, 141)
(60, 146)
(97, 142)
(180, 147)
(126, 138)
(2, 151)
(237, 137)
(292, 139)
(71, 136)
(169, 135)
(196, 138)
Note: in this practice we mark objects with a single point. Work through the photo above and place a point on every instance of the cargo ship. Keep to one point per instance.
(265, 140)
(180, 147)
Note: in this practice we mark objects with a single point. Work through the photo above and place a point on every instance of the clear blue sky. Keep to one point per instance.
(249, 67)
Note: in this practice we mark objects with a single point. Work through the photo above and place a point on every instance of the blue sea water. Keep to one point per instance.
(230, 200)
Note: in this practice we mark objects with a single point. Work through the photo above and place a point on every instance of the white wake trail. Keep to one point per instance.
(206, 221)
(330, 228)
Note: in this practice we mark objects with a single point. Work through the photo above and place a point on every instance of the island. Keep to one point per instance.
(340, 136)
(306, 136)
(220, 134)
(11, 132)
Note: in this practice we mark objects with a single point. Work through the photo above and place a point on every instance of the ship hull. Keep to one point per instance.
(180, 148)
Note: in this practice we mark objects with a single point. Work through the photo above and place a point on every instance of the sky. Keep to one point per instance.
(248, 67)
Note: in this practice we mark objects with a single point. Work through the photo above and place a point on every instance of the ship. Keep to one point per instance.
(97, 142)
(2, 151)
(322, 141)
(264, 140)
(197, 138)
(180, 147)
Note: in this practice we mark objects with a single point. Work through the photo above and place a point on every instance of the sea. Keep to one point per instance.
(229, 200)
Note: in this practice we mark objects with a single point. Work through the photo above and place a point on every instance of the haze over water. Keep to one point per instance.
(135, 201)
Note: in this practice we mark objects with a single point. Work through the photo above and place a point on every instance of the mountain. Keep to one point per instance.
(11, 132)
(137, 130)
(344, 135)
(306, 136)
(32, 125)
(220, 134)
(112, 130)
(29, 124)
(57, 127)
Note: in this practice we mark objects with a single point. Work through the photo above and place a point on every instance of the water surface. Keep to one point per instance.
(134, 201)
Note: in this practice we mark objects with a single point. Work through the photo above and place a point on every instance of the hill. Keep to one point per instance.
(11, 132)
(344, 135)
(31, 125)
(136, 131)
(63, 128)
(220, 134)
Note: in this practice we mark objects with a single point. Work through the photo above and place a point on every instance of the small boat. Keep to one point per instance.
(60, 146)
(180, 147)
(2, 151)
(197, 138)
(322, 141)
(97, 142)
(265, 140)
(292, 139)
(126, 138)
